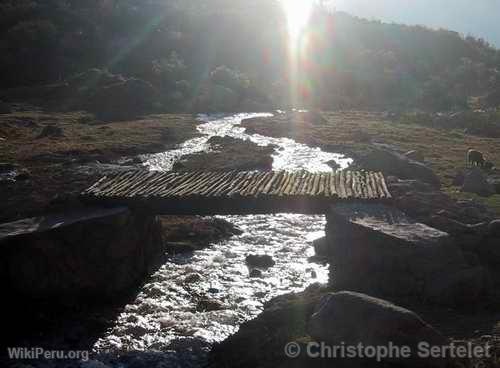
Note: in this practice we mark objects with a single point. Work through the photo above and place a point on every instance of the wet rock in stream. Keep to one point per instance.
(260, 260)
(229, 154)
(190, 233)
(208, 293)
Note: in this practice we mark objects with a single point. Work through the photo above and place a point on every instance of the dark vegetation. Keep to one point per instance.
(214, 55)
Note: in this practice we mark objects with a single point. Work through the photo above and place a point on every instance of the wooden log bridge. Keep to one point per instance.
(233, 192)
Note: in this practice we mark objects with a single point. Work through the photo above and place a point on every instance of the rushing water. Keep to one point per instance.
(167, 315)
(289, 156)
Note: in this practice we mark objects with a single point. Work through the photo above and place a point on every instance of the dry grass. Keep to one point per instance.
(346, 132)
(52, 161)
(82, 135)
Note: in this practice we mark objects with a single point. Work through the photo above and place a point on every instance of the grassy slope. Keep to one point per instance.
(345, 132)
(52, 161)
(82, 136)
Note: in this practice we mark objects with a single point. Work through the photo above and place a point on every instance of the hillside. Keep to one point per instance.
(199, 53)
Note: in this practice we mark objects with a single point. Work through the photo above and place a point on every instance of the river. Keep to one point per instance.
(164, 317)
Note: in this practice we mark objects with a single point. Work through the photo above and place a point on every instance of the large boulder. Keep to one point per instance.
(476, 181)
(458, 287)
(123, 100)
(422, 201)
(394, 163)
(351, 318)
(442, 221)
(260, 342)
(467, 237)
(87, 252)
(397, 256)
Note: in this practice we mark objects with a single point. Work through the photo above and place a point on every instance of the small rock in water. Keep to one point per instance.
(209, 305)
(285, 250)
(137, 330)
(256, 274)
(314, 275)
(218, 259)
(132, 318)
(230, 254)
(333, 164)
(192, 278)
(155, 291)
(166, 322)
(256, 260)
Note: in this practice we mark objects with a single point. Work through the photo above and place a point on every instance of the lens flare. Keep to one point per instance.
(297, 13)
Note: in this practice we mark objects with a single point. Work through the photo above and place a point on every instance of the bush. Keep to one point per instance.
(168, 71)
(230, 78)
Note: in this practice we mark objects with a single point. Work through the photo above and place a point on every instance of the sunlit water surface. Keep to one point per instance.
(165, 316)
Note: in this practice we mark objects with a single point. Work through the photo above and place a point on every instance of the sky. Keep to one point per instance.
(480, 18)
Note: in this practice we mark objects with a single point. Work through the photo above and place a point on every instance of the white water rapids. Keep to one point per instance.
(164, 317)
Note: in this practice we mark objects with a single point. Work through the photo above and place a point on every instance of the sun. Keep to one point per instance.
(297, 13)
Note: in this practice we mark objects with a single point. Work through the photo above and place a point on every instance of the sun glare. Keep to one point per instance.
(298, 13)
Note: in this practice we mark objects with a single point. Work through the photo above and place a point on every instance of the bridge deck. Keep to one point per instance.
(207, 192)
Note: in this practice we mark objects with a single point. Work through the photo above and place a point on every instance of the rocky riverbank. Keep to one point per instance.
(69, 277)
(374, 139)
(392, 281)
(341, 318)
(431, 258)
